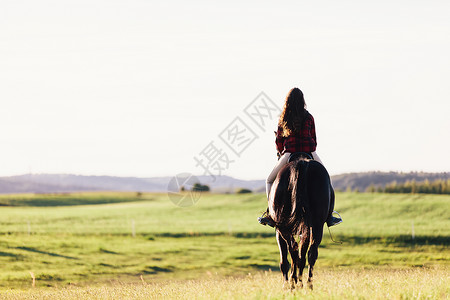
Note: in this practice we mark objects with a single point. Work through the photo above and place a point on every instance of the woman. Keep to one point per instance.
(296, 133)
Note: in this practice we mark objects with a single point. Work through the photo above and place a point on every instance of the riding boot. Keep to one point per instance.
(265, 219)
(332, 220)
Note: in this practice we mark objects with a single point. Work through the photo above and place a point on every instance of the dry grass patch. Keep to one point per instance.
(382, 283)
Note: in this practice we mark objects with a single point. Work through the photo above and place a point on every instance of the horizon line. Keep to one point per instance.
(222, 175)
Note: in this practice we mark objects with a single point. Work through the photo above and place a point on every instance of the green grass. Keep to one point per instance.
(89, 245)
(69, 199)
(423, 283)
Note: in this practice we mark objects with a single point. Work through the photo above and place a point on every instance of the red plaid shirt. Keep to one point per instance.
(305, 141)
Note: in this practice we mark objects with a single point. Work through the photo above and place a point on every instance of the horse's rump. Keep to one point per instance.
(301, 194)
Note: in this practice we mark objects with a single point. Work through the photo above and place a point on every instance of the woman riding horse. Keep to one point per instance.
(296, 133)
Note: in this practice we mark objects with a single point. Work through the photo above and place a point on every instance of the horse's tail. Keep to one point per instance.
(299, 195)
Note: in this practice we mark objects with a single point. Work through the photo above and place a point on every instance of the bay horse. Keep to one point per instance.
(300, 201)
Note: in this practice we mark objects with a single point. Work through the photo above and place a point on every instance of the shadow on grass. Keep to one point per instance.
(7, 254)
(399, 240)
(67, 200)
(155, 270)
(102, 250)
(108, 265)
(45, 252)
(243, 257)
(263, 267)
(249, 235)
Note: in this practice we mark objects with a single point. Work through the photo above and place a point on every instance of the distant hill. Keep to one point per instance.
(57, 183)
(63, 183)
(361, 181)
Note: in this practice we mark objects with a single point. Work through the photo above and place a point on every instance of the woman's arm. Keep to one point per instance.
(279, 140)
(313, 130)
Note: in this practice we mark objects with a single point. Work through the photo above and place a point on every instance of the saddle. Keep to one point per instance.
(297, 155)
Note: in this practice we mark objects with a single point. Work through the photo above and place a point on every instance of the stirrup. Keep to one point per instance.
(334, 220)
(335, 212)
(266, 221)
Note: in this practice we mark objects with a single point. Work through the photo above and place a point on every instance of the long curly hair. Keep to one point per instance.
(294, 112)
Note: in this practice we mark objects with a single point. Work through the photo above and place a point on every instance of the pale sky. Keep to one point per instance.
(140, 88)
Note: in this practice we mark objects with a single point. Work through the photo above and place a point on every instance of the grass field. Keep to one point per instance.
(339, 284)
(101, 243)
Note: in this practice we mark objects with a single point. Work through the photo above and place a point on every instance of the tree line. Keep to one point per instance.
(439, 186)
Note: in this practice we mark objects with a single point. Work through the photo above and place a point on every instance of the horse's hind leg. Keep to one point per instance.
(316, 238)
(284, 264)
(293, 250)
(304, 244)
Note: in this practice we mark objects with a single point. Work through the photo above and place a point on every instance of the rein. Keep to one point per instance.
(331, 237)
